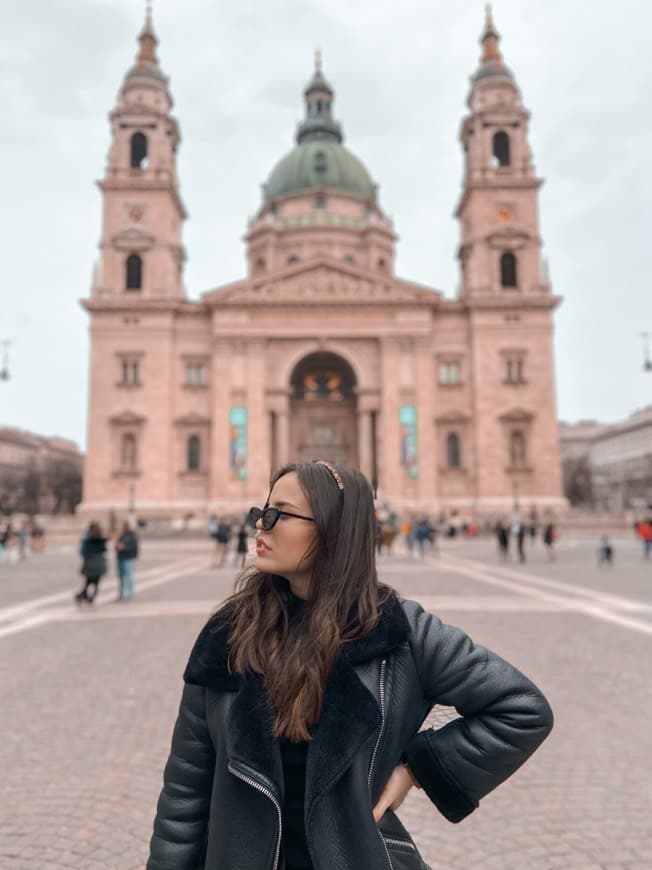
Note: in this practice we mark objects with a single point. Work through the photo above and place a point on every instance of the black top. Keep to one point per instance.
(293, 754)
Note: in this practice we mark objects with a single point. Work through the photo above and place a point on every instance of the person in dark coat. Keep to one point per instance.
(126, 549)
(298, 733)
(243, 546)
(92, 550)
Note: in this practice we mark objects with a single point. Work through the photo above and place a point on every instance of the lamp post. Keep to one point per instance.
(647, 360)
(4, 359)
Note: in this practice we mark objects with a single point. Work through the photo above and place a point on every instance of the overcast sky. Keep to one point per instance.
(401, 76)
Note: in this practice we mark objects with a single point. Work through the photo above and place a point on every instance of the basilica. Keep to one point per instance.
(321, 350)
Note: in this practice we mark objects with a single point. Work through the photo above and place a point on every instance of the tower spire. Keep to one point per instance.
(148, 41)
(490, 38)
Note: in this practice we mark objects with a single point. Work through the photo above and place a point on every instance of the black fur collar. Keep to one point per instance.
(350, 712)
(207, 665)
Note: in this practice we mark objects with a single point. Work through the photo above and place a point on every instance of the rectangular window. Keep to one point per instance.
(515, 369)
(130, 372)
(449, 373)
(195, 374)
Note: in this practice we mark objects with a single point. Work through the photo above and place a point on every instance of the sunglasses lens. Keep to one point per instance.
(254, 515)
(269, 518)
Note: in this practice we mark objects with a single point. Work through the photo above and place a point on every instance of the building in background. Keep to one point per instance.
(608, 466)
(38, 474)
(321, 351)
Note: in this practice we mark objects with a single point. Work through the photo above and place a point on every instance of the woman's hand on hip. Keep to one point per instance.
(398, 785)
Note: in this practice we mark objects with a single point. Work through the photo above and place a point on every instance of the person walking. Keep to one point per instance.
(549, 537)
(92, 550)
(243, 546)
(605, 552)
(222, 536)
(126, 548)
(520, 540)
(502, 536)
(282, 756)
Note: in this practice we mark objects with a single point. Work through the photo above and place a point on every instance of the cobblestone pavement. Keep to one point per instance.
(89, 699)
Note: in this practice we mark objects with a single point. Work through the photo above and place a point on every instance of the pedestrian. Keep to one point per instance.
(289, 689)
(520, 540)
(23, 541)
(605, 552)
(421, 535)
(549, 537)
(212, 527)
(644, 530)
(222, 536)
(10, 544)
(502, 536)
(126, 549)
(92, 549)
(243, 546)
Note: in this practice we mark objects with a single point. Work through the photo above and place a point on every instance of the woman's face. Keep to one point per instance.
(283, 550)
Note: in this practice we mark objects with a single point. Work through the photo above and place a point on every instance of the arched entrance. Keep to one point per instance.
(323, 421)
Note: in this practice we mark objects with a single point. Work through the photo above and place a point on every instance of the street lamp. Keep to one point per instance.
(647, 360)
(4, 362)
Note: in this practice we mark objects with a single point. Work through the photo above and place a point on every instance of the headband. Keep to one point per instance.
(335, 474)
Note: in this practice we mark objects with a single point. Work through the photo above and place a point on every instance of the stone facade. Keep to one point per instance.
(321, 351)
(25, 453)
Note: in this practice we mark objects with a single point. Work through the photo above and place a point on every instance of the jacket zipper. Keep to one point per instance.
(383, 666)
(268, 793)
(394, 841)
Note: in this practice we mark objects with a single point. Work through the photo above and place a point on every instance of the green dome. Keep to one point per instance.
(316, 163)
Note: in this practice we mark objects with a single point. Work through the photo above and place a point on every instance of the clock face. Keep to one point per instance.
(135, 214)
(505, 213)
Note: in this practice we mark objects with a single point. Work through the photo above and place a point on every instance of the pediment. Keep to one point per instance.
(453, 417)
(192, 419)
(127, 418)
(516, 415)
(132, 240)
(321, 281)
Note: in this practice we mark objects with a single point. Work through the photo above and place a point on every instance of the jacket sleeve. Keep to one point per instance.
(503, 716)
(181, 823)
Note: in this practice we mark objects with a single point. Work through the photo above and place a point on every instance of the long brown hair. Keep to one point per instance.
(296, 657)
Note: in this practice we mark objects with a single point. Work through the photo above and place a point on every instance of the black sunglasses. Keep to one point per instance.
(270, 516)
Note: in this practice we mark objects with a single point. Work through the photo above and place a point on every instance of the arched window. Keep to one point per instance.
(382, 265)
(193, 453)
(319, 162)
(501, 148)
(259, 266)
(128, 452)
(292, 260)
(134, 272)
(453, 450)
(517, 448)
(508, 270)
(139, 151)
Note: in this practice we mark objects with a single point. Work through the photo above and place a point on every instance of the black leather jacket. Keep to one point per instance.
(220, 807)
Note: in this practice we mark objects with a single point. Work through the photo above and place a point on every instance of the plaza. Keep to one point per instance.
(90, 698)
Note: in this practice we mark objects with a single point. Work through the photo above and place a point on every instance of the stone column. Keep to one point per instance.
(258, 430)
(389, 470)
(364, 442)
(427, 452)
(220, 394)
(282, 435)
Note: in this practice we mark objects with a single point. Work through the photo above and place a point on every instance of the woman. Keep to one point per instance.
(298, 731)
(92, 550)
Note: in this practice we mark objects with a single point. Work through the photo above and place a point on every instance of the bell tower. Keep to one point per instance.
(500, 250)
(141, 251)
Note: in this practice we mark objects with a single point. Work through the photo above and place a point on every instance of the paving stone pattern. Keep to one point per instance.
(89, 704)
